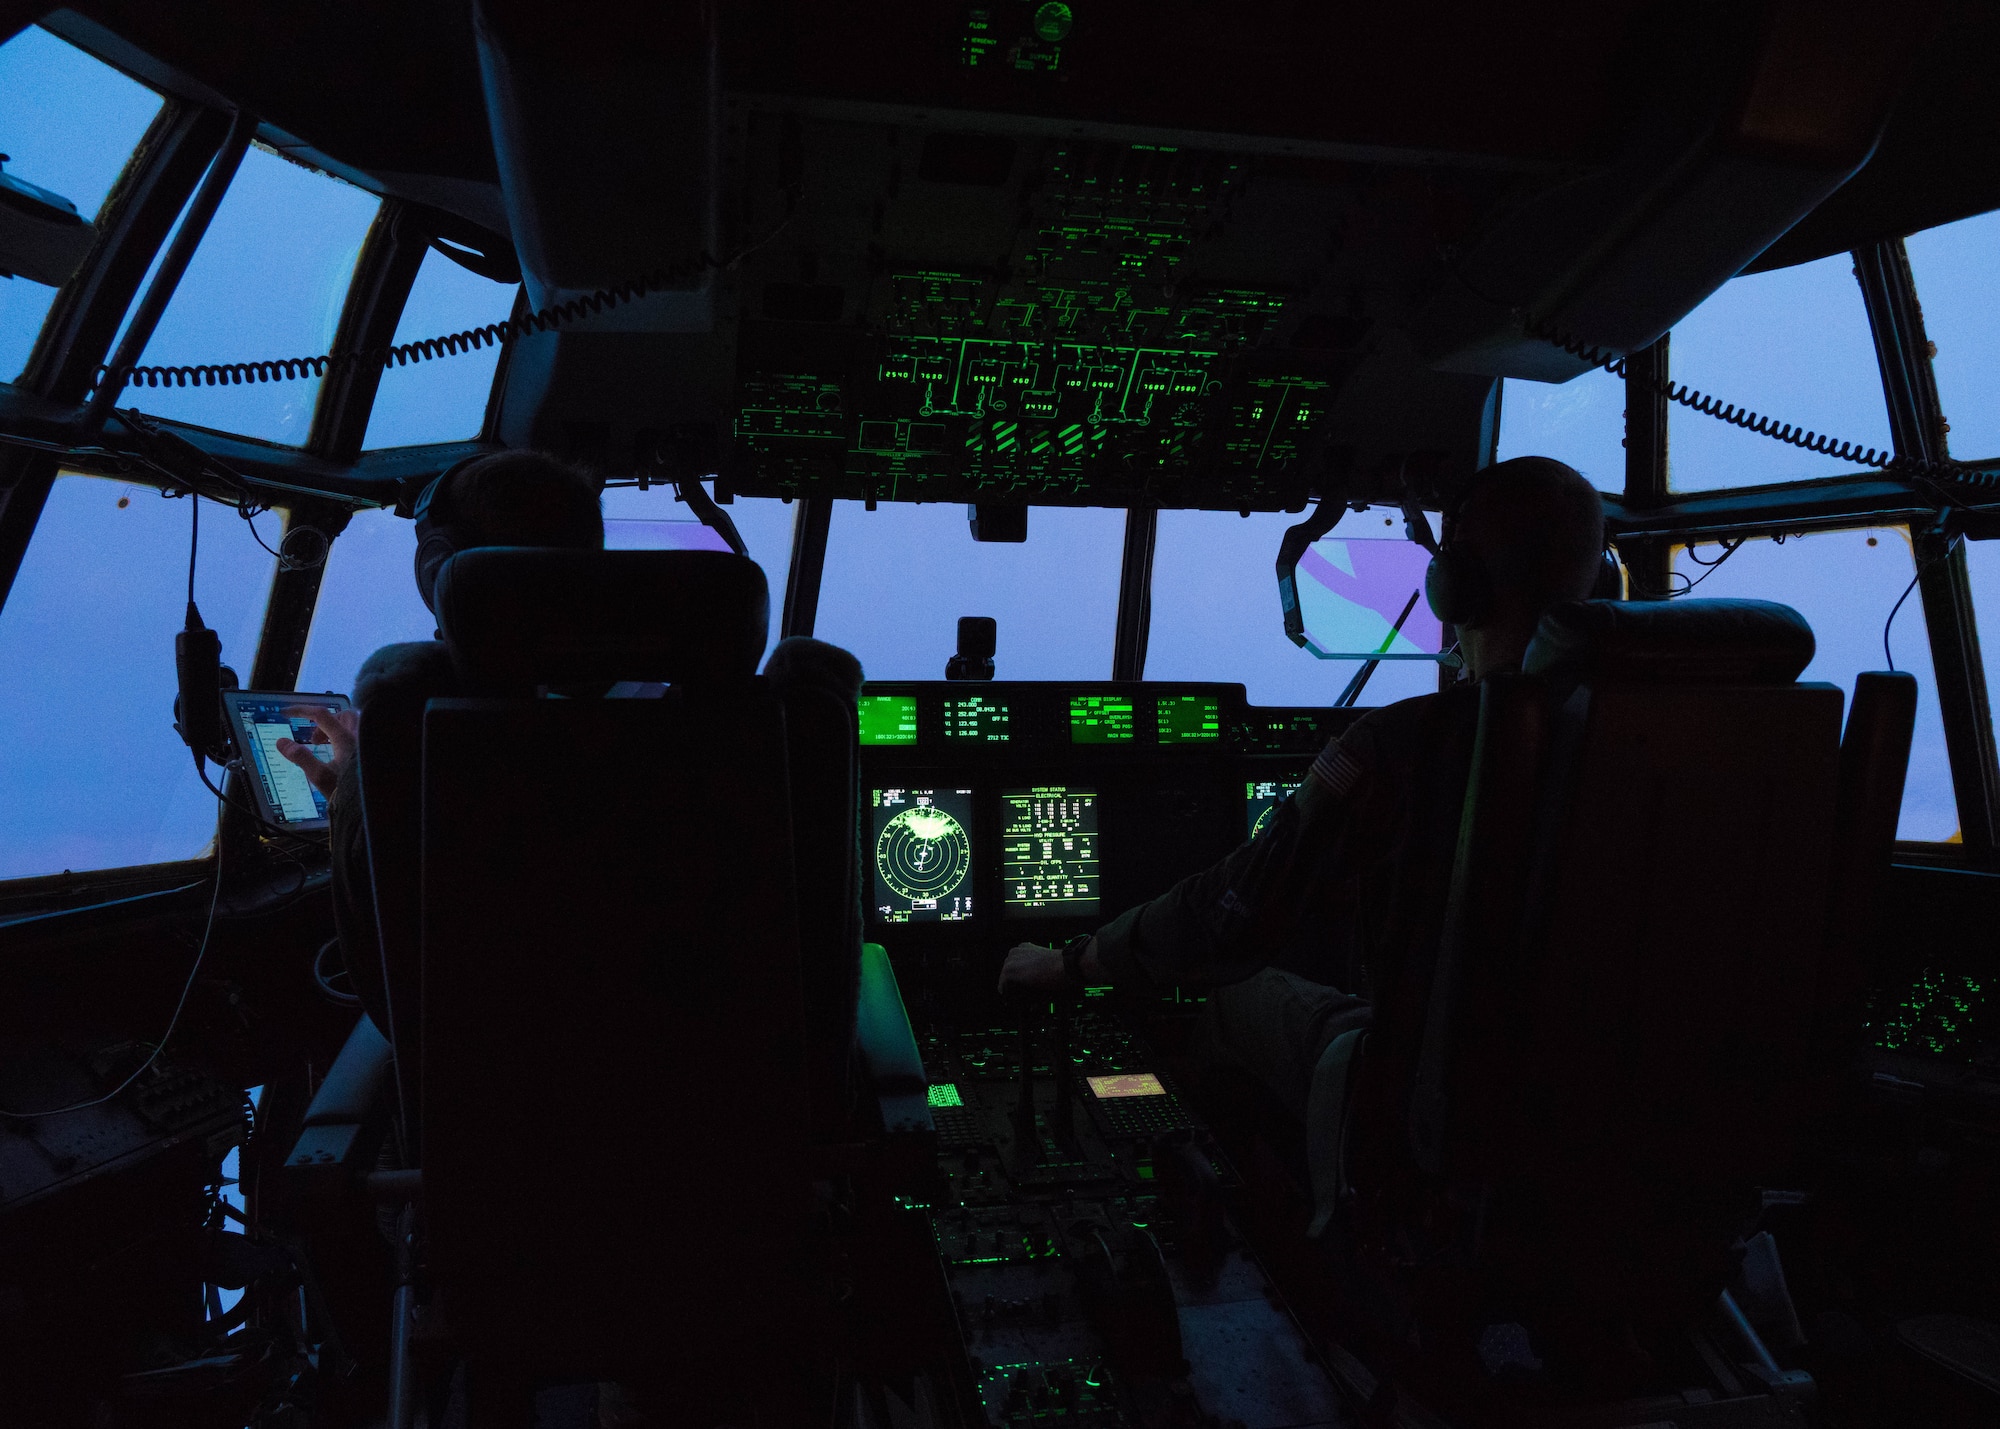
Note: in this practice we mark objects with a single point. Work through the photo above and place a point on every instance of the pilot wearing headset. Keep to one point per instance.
(513, 498)
(1350, 876)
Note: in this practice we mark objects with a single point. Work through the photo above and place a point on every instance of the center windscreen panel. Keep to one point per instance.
(923, 855)
(1049, 844)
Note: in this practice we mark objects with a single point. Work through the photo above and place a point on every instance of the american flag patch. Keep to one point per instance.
(1337, 770)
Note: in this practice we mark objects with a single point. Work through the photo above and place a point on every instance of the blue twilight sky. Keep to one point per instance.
(86, 637)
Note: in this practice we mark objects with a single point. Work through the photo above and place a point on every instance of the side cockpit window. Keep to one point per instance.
(1957, 270)
(92, 774)
(268, 281)
(1846, 584)
(69, 125)
(1793, 345)
(367, 599)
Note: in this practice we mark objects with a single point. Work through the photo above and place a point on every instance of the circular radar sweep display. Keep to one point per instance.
(923, 854)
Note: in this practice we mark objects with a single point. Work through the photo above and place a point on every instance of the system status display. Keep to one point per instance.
(1189, 719)
(1049, 850)
(978, 719)
(888, 719)
(923, 855)
(1261, 798)
(1100, 719)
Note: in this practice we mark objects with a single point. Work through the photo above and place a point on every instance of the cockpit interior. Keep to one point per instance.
(1037, 860)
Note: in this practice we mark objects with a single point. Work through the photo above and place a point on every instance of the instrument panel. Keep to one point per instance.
(1035, 810)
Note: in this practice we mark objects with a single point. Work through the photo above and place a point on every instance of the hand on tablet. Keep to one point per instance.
(338, 726)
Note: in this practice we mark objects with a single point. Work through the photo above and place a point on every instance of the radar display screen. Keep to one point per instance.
(1261, 798)
(888, 719)
(1100, 719)
(923, 855)
(1189, 719)
(979, 718)
(1049, 848)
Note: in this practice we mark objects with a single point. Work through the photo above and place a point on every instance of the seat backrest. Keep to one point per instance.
(523, 618)
(1619, 1019)
(1874, 762)
(821, 744)
(614, 1088)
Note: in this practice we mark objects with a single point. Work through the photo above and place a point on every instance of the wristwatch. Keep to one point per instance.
(1072, 956)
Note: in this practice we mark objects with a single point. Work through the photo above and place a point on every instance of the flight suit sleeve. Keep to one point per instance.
(354, 894)
(1220, 925)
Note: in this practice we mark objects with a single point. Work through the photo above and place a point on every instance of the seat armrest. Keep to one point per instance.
(351, 1098)
(888, 1048)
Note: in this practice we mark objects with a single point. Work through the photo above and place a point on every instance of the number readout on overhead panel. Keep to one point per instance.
(1261, 798)
(1100, 719)
(976, 718)
(1189, 719)
(923, 855)
(1048, 845)
(887, 719)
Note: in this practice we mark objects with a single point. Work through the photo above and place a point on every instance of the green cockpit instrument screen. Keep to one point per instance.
(978, 718)
(1261, 798)
(1100, 719)
(1049, 849)
(888, 719)
(1189, 719)
(923, 855)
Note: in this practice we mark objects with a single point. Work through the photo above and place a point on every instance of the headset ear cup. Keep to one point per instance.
(432, 552)
(1455, 587)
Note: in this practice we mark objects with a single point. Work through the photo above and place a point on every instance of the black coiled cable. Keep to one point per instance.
(285, 369)
(1763, 426)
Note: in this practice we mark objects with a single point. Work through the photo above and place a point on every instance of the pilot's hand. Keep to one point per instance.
(338, 726)
(1032, 969)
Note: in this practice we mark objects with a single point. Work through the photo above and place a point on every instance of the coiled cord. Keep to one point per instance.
(1787, 432)
(286, 369)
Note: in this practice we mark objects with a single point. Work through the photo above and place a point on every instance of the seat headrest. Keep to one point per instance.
(515, 615)
(1703, 642)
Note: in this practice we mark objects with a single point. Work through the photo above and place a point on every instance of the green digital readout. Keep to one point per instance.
(1100, 719)
(976, 717)
(1189, 719)
(1261, 798)
(1048, 851)
(944, 1094)
(888, 719)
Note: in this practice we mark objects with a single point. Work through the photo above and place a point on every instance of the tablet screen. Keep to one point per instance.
(259, 720)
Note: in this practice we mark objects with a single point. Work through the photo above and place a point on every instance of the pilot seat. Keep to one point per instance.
(622, 959)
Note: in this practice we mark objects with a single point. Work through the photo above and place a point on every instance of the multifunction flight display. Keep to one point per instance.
(923, 855)
(1261, 798)
(887, 719)
(1100, 719)
(1049, 844)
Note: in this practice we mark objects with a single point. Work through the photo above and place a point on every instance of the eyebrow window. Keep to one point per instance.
(1792, 345)
(442, 399)
(69, 123)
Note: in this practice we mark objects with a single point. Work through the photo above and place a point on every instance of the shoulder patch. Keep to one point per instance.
(1337, 770)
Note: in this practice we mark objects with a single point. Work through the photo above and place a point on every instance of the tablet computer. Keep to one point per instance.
(258, 719)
